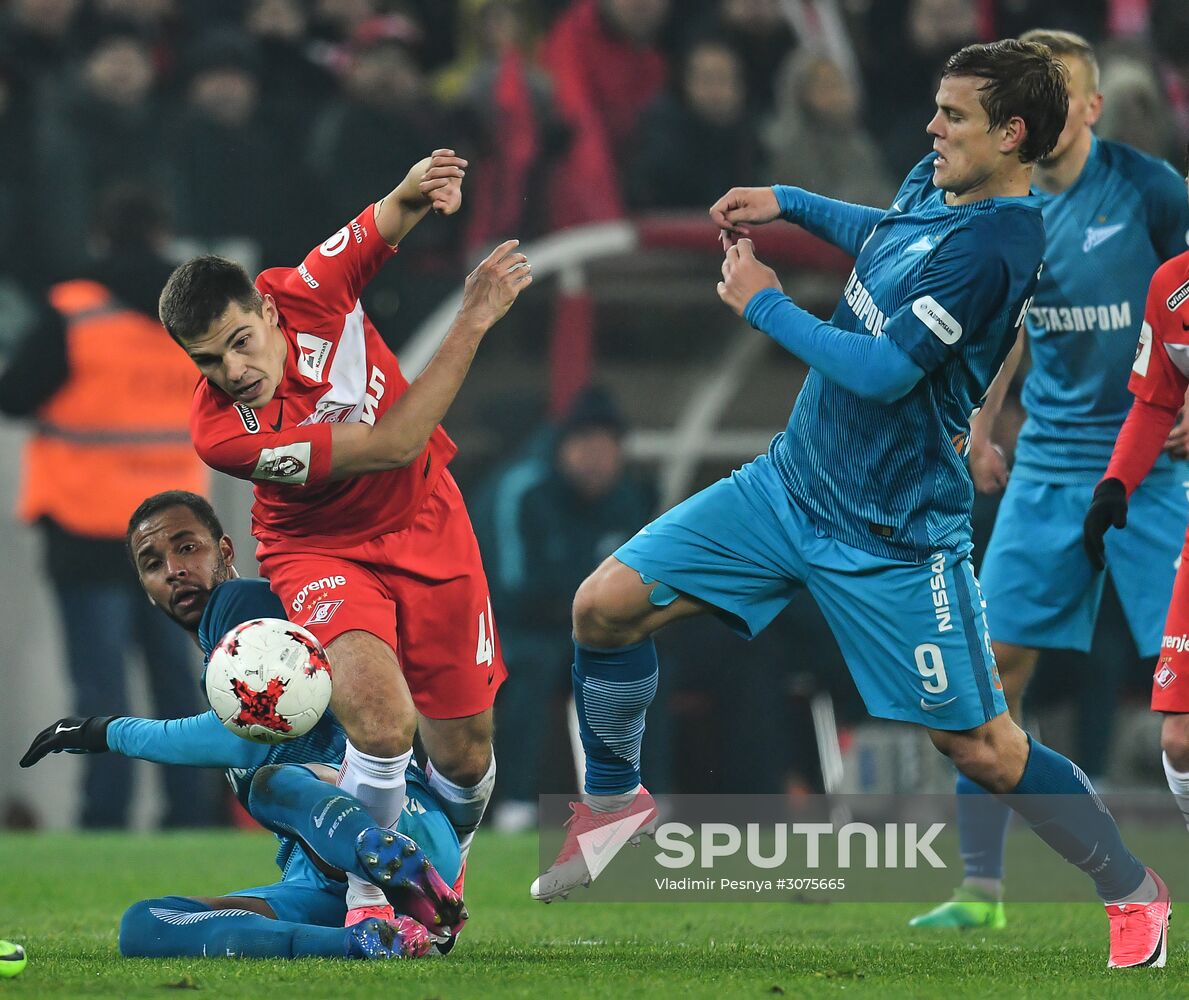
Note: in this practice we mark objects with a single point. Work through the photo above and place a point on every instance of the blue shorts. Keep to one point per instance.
(1043, 592)
(914, 635)
(306, 896)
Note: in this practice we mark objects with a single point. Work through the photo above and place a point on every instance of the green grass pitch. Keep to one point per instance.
(61, 896)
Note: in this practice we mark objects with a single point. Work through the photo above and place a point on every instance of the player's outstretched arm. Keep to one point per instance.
(434, 182)
(401, 434)
(197, 741)
(872, 367)
(838, 222)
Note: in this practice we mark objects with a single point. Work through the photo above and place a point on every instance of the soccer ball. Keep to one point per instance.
(268, 680)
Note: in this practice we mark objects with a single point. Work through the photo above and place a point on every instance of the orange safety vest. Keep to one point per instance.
(117, 430)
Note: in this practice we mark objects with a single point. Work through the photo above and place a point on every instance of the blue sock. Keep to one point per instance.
(291, 800)
(177, 927)
(612, 690)
(1057, 799)
(982, 829)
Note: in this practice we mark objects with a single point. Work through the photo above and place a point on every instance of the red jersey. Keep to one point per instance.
(337, 370)
(1160, 374)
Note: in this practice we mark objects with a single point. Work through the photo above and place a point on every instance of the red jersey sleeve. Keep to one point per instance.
(331, 278)
(1158, 379)
(234, 439)
(1155, 376)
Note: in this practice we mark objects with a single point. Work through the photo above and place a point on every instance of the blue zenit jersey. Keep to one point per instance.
(232, 603)
(1106, 235)
(202, 740)
(949, 285)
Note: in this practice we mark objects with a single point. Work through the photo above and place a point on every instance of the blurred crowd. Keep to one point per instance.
(265, 123)
(253, 128)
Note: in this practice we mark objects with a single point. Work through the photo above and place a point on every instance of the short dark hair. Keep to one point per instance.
(158, 502)
(1025, 80)
(199, 291)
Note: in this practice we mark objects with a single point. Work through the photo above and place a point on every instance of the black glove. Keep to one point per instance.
(72, 735)
(1109, 507)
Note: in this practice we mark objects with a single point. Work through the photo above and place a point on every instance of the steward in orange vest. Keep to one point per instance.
(108, 395)
(115, 431)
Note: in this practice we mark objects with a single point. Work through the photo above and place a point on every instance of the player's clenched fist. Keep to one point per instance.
(740, 206)
(988, 466)
(743, 275)
(441, 182)
(492, 287)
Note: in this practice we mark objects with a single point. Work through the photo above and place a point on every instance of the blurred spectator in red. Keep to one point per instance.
(237, 181)
(815, 139)
(361, 140)
(504, 104)
(108, 130)
(607, 68)
(694, 144)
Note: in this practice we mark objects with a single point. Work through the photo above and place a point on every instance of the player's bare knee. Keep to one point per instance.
(1174, 741)
(605, 612)
(383, 736)
(974, 753)
(465, 766)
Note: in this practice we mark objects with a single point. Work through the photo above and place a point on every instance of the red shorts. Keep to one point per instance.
(421, 590)
(1170, 682)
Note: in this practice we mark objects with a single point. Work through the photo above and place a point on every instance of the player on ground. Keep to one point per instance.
(1112, 214)
(362, 532)
(864, 499)
(185, 562)
(1159, 379)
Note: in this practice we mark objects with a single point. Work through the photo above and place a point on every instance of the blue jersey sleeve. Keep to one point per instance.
(966, 283)
(871, 367)
(845, 225)
(1168, 210)
(198, 741)
(232, 603)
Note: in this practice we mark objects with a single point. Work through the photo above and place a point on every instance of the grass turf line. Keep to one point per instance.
(62, 895)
